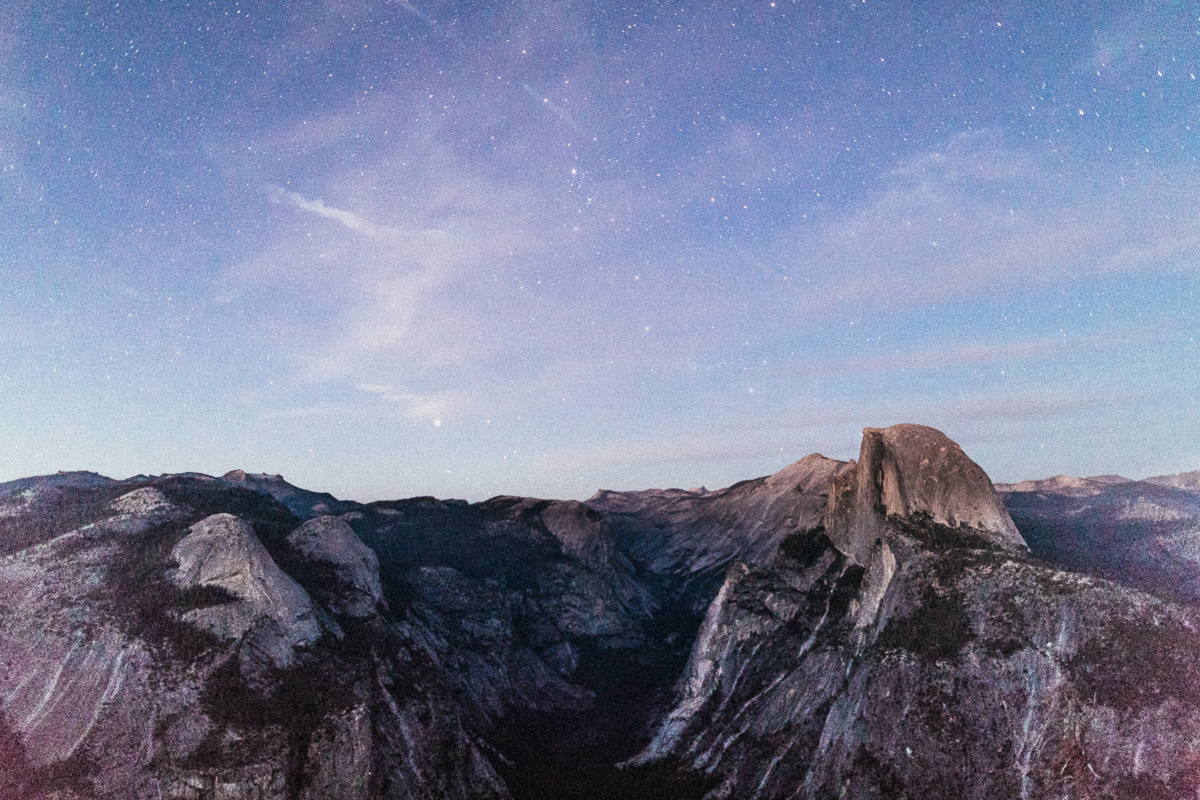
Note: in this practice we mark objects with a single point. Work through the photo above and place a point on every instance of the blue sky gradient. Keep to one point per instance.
(399, 248)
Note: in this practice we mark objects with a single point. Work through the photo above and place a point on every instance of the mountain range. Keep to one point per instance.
(894, 626)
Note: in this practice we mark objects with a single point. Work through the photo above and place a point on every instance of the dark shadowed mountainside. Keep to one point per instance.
(1145, 534)
(889, 627)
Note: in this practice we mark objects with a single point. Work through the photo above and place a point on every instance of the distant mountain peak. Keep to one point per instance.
(811, 473)
(301, 502)
(241, 476)
(911, 472)
(1066, 484)
(1189, 481)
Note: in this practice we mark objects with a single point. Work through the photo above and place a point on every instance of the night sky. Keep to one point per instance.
(400, 248)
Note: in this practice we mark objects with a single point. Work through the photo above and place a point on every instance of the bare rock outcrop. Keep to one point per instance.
(691, 537)
(221, 552)
(55, 682)
(908, 648)
(582, 531)
(145, 502)
(350, 584)
(301, 502)
(913, 473)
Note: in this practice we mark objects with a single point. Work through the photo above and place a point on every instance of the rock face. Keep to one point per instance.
(908, 648)
(910, 472)
(874, 628)
(689, 538)
(301, 502)
(268, 607)
(351, 585)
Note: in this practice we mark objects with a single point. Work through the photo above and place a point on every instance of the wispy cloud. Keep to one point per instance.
(669, 450)
(382, 296)
(978, 217)
(306, 412)
(348, 218)
(952, 355)
(431, 407)
(973, 156)
(1031, 406)
(416, 12)
(554, 108)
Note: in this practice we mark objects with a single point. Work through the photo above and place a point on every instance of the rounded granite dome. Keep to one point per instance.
(914, 472)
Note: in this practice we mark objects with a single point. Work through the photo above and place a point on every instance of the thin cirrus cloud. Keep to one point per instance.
(432, 408)
(674, 450)
(974, 354)
(347, 218)
(554, 108)
(978, 217)
(1022, 407)
(387, 290)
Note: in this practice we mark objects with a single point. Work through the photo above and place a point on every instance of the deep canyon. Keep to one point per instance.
(895, 626)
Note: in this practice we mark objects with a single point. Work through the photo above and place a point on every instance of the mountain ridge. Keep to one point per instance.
(867, 628)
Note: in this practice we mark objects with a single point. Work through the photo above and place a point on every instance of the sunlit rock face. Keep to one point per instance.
(221, 552)
(913, 473)
(873, 628)
(909, 648)
(147, 504)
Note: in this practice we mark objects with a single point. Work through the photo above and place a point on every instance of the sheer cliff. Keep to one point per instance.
(872, 628)
(910, 647)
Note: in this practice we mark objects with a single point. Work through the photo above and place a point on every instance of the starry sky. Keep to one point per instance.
(462, 249)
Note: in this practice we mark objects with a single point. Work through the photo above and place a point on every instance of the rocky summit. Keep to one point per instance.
(889, 627)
